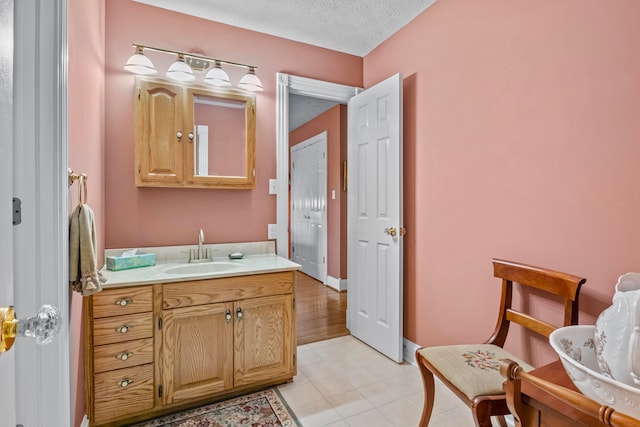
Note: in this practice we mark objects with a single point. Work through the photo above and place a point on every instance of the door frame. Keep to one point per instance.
(289, 84)
(320, 138)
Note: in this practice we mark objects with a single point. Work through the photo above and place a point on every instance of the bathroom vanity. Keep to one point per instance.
(176, 335)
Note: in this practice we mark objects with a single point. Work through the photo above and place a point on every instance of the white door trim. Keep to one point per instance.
(289, 84)
(43, 385)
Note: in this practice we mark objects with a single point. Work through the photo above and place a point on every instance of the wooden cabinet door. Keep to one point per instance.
(264, 339)
(197, 351)
(160, 134)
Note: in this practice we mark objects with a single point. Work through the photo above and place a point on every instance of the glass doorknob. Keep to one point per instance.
(44, 326)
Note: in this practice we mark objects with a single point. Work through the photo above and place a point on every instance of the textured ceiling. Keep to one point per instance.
(350, 26)
(304, 108)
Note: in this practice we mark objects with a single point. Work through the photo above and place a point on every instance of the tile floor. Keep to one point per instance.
(343, 382)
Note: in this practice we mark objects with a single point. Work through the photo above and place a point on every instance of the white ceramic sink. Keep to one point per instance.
(202, 268)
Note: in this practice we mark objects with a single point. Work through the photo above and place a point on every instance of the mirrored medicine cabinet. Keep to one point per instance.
(194, 136)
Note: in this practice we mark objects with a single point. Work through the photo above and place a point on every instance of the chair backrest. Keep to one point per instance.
(562, 285)
(515, 375)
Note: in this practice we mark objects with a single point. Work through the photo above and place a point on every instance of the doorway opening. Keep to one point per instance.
(322, 96)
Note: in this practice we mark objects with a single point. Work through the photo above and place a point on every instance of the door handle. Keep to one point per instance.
(44, 326)
(392, 231)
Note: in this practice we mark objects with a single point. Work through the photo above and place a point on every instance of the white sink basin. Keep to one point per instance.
(203, 268)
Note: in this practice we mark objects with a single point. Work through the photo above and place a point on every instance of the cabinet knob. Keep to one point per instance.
(124, 302)
(190, 136)
(179, 134)
(124, 355)
(122, 329)
(124, 382)
(227, 315)
(239, 313)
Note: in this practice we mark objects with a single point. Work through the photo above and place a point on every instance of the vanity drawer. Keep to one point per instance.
(122, 355)
(115, 302)
(122, 392)
(111, 330)
(186, 294)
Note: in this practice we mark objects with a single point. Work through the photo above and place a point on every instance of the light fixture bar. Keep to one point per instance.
(193, 55)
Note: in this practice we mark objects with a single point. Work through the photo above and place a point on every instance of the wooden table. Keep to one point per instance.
(544, 410)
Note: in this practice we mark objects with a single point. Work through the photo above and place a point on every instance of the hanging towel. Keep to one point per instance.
(83, 265)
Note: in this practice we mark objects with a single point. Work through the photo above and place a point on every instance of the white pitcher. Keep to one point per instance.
(617, 333)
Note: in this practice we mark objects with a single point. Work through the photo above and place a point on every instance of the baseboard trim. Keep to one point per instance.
(409, 351)
(85, 422)
(337, 284)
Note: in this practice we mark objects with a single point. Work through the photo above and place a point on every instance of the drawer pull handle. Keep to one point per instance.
(124, 355)
(123, 329)
(124, 383)
(239, 313)
(124, 302)
(227, 315)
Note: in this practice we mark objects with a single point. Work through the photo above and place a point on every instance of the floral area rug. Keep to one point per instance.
(265, 408)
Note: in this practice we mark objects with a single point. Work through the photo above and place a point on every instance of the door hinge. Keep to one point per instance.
(17, 211)
(294, 360)
(159, 391)
(159, 323)
(293, 249)
(324, 260)
(294, 302)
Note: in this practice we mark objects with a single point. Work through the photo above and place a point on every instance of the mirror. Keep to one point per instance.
(194, 136)
(220, 136)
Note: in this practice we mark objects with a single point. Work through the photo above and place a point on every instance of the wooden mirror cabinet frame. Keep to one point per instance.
(165, 135)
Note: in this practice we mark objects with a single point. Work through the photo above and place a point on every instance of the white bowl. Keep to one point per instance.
(576, 347)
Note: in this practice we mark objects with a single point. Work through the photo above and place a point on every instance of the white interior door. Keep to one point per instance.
(309, 206)
(7, 360)
(35, 381)
(375, 217)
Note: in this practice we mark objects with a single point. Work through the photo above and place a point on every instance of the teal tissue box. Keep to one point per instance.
(116, 263)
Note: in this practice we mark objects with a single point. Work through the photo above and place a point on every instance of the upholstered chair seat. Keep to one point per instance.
(473, 368)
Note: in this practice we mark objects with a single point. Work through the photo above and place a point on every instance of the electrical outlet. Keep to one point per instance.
(271, 231)
(273, 187)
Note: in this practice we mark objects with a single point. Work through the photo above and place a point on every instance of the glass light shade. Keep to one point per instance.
(138, 63)
(180, 71)
(217, 77)
(250, 81)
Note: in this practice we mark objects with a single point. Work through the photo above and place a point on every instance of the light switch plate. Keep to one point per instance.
(273, 187)
(272, 231)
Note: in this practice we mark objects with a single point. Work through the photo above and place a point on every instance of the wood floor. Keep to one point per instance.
(321, 310)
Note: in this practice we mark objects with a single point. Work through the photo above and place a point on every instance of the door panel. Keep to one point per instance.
(7, 360)
(308, 201)
(197, 351)
(263, 340)
(375, 217)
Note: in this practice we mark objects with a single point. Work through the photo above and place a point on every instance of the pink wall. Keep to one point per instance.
(522, 142)
(334, 121)
(157, 216)
(86, 41)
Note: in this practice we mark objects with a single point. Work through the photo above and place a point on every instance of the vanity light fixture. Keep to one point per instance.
(217, 76)
(138, 63)
(186, 63)
(180, 70)
(250, 81)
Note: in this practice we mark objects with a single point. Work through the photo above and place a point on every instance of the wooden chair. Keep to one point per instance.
(471, 371)
(515, 375)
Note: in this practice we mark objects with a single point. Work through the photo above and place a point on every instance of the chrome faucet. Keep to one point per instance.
(200, 242)
(201, 254)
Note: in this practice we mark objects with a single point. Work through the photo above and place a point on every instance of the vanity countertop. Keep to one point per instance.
(257, 260)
